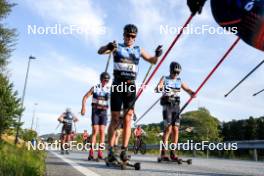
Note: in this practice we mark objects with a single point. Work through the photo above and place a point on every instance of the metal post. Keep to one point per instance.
(23, 97)
(255, 154)
(33, 116)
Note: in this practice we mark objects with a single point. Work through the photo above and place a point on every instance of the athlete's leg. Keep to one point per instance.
(95, 129)
(112, 128)
(102, 133)
(175, 134)
(127, 128)
(166, 134)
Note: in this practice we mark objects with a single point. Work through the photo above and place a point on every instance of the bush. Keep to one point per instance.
(21, 162)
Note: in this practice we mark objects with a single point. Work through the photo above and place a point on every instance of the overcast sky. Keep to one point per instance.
(68, 65)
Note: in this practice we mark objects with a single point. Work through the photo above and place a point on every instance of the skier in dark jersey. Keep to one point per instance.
(67, 119)
(126, 60)
(100, 98)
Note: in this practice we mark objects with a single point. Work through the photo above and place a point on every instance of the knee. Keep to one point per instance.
(129, 116)
(175, 129)
(168, 129)
(95, 131)
(101, 130)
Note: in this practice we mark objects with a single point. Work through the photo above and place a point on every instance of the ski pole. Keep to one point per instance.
(255, 94)
(57, 126)
(210, 74)
(108, 61)
(252, 71)
(75, 127)
(147, 111)
(109, 58)
(140, 91)
(146, 76)
(164, 57)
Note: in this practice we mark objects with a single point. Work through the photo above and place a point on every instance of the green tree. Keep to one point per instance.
(260, 129)
(251, 129)
(7, 36)
(204, 125)
(10, 105)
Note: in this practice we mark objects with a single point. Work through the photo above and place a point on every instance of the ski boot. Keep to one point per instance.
(163, 156)
(91, 155)
(174, 157)
(123, 155)
(67, 152)
(111, 157)
(100, 155)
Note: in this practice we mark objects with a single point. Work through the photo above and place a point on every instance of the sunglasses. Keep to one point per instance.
(130, 36)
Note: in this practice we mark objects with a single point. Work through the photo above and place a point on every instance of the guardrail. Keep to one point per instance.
(254, 145)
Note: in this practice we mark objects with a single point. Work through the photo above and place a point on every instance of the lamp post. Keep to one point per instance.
(33, 116)
(23, 96)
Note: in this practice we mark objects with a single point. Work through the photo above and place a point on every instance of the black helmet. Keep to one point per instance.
(68, 110)
(175, 67)
(130, 28)
(104, 76)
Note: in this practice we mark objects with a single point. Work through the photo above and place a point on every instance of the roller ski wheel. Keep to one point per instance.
(163, 158)
(137, 166)
(179, 161)
(188, 161)
(159, 160)
(91, 158)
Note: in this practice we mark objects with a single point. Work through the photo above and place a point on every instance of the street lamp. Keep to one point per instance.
(33, 117)
(23, 96)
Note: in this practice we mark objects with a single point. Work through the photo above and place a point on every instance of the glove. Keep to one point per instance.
(134, 117)
(111, 46)
(196, 6)
(158, 51)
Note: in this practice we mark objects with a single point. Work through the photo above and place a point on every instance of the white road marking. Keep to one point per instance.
(76, 166)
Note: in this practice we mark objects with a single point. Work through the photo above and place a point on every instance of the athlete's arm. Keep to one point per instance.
(160, 85)
(111, 46)
(85, 97)
(187, 89)
(135, 132)
(152, 59)
(75, 119)
(61, 117)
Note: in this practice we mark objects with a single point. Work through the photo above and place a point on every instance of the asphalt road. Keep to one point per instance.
(76, 164)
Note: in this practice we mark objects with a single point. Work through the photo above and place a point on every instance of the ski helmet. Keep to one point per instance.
(247, 16)
(68, 110)
(104, 76)
(175, 67)
(130, 28)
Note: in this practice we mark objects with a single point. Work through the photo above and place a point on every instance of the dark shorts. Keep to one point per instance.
(171, 115)
(121, 95)
(99, 117)
(66, 129)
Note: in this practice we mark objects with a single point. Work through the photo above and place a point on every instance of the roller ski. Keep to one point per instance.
(122, 163)
(176, 160)
(99, 157)
(173, 158)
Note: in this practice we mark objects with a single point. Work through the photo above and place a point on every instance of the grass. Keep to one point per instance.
(18, 161)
